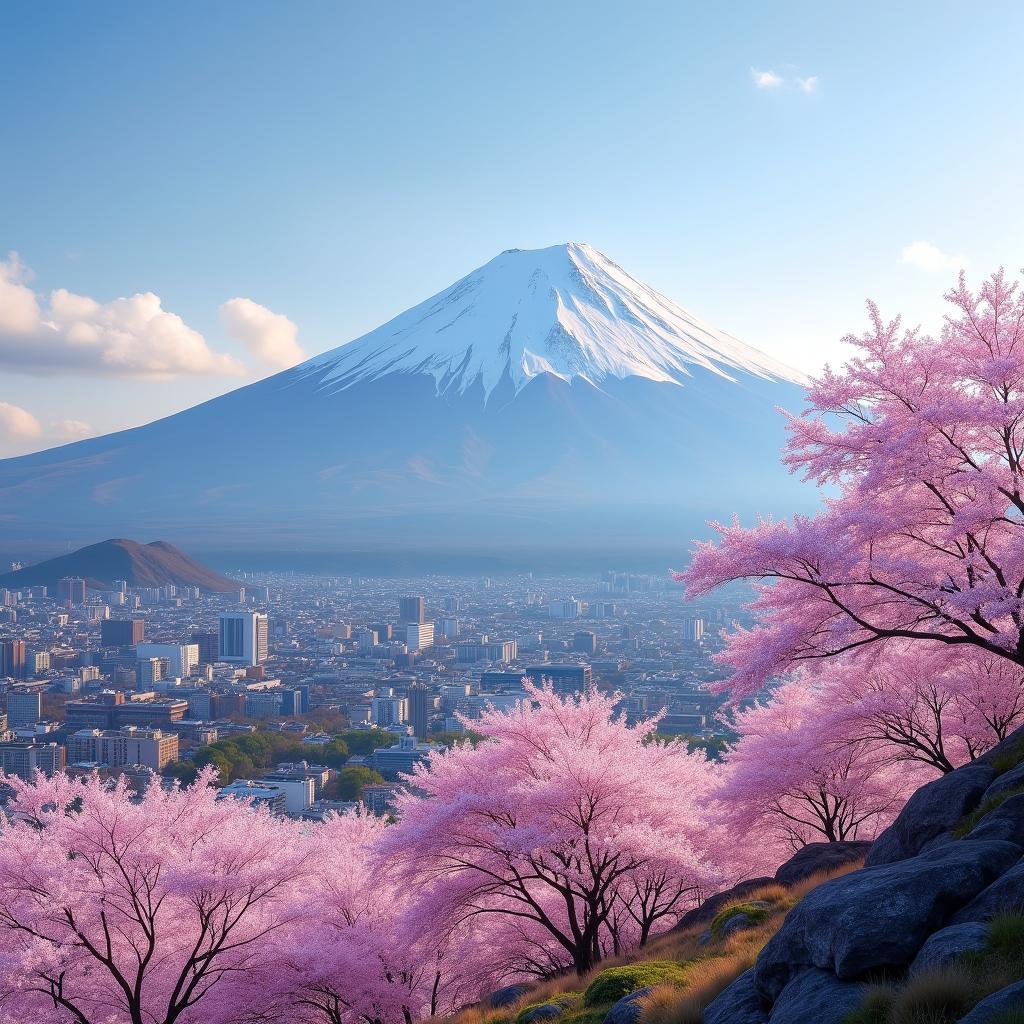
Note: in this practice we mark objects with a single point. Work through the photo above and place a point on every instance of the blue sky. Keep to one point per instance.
(332, 164)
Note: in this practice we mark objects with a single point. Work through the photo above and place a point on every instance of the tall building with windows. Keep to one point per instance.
(25, 759)
(71, 590)
(12, 658)
(421, 706)
(122, 632)
(24, 707)
(208, 644)
(128, 746)
(563, 678)
(412, 609)
(387, 709)
(419, 635)
(693, 629)
(181, 658)
(243, 638)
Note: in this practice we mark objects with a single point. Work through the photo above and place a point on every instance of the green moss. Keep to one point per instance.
(754, 911)
(970, 821)
(567, 1000)
(615, 982)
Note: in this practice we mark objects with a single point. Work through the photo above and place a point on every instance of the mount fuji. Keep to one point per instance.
(546, 403)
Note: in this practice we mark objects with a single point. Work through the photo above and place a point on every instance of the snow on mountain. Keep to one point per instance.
(566, 310)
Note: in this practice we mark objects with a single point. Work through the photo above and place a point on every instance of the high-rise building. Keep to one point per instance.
(122, 632)
(387, 709)
(693, 629)
(584, 642)
(181, 658)
(419, 635)
(12, 658)
(412, 609)
(24, 707)
(421, 705)
(243, 638)
(148, 671)
(71, 590)
(209, 645)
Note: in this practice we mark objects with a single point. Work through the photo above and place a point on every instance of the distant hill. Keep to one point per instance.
(140, 565)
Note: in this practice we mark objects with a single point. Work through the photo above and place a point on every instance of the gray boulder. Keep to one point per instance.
(738, 1004)
(506, 996)
(817, 996)
(948, 945)
(990, 1010)
(546, 1011)
(878, 917)
(1005, 893)
(627, 1009)
(932, 813)
(708, 910)
(815, 857)
(1008, 780)
(1005, 822)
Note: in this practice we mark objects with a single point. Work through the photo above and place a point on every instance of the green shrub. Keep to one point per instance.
(937, 997)
(754, 911)
(1008, 759)
(874, 1007)
(615, 982)
(1006, 934)
(969, 822)
(567, 1000)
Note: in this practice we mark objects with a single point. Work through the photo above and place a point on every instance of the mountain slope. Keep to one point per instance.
(546, 403)
(141, 565)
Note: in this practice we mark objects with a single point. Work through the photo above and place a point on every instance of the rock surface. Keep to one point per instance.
(546, 1011)
(880, 917)
(738, 1004)
(815, 857)
(627, 1009)
(817, 996)
(1005, 822)
(506, 996)
(1006, 893)
(710, 908)
(990, 1010)
(932, 813)
(948, 945)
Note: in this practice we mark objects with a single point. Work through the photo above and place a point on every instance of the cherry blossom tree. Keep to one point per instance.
(791, 779)
(924, 440)
(922, 702)
(562, 819)
(156, 911)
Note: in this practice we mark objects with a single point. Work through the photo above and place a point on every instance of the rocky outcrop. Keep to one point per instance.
(879, 918)
(506, 996)
(816, 857)
(711, 907)
(931, 883)
(932, 813)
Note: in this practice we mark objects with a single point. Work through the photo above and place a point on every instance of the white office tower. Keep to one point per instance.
(243, 638)
(419, 635)
(693, 629)
(181, 658)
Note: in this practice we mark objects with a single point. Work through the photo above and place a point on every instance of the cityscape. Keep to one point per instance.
(140, 681)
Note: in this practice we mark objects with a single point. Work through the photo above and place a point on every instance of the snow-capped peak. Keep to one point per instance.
(566, 310)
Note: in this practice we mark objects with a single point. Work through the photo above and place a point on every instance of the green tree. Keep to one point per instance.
(350, 781)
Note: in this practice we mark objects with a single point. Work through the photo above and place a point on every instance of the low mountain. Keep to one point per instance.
(140, 565)
(546, 402)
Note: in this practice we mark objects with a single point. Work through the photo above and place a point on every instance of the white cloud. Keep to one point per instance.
(765, 79)
(269, 336)
(808, 84)
(16, 422)
(132, 336)
(70, 430)
(929, 257)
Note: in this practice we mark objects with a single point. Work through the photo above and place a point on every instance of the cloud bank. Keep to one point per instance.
(132, 336)
(269, 336)
(931, 258)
